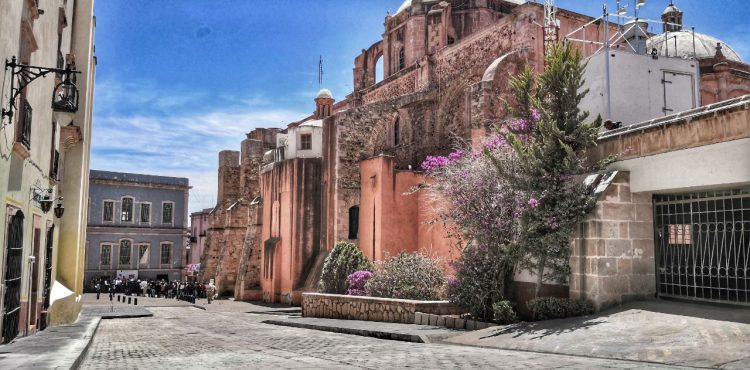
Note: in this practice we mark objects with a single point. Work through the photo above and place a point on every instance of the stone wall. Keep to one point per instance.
(334, 306)
(612, 259)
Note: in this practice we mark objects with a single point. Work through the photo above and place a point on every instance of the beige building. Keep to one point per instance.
(44, 160)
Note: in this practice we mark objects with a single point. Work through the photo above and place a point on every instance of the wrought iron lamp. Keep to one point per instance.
(45, 200)
(59, 209)
(64, 97)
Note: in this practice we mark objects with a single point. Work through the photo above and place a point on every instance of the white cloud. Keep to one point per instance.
(181, 144)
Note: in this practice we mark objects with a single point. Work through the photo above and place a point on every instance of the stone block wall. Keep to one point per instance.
(612, 259)
(334, 306)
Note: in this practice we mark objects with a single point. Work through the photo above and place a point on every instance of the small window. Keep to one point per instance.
(25, 129)
(125, 252)
(108, 213)
(166, 253)
(143, 254)
(145, 213)
(397, 132)
(401, 59)
(127, 210)
(166, 213)
(106, 255)
(305, 141)
(353, 222)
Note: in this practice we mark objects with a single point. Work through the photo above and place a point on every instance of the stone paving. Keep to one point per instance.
(186, 337)
(676, 333)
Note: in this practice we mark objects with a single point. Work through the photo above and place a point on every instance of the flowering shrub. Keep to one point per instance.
(357, 282)
(345, 258)
(407, 276)
(482, 274)
(436, 162)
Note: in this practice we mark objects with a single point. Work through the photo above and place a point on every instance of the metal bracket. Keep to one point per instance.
(25, 74)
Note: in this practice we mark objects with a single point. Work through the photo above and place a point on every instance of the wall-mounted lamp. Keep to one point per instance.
(43, 197)
(59, 209)
(64, 97)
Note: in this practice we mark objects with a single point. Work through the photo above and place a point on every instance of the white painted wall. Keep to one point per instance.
(724, 165)
(291, 141)
(637, 91)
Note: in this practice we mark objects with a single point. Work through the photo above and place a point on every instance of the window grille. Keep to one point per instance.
(108, 213)
(127, 210)
(125, 252)
(145, 213)
(166, 254)
(106, 255)
(166, 213)
(305, 141)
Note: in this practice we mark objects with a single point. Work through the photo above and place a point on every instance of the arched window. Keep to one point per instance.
(126, 211)
(397, 132)
(354, 222)
(401, 58)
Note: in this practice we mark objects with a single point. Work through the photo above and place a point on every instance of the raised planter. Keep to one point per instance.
(336, 306)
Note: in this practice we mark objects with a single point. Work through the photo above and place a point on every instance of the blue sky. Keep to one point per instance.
(180, 80)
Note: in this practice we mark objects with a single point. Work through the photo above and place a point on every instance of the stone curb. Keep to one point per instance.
(449, 322)
(361, 332)
(89, 337)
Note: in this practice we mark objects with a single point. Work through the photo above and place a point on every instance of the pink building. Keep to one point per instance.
(198, 228)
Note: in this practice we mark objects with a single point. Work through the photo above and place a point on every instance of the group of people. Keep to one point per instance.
(182, 290)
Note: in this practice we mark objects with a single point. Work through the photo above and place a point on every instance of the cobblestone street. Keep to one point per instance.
(225, 336)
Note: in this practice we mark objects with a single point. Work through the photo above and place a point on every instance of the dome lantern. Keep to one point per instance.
(672, 18)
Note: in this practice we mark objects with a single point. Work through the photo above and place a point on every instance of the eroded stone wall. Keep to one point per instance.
(334, 306)
(612, 258)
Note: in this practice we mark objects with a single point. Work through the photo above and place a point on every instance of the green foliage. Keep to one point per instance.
(345, 259)
(503, 313)
(549, 137)
(548, 308)
(482, 274)
(407, 276)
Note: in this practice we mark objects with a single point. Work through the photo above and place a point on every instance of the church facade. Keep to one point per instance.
(446, 71)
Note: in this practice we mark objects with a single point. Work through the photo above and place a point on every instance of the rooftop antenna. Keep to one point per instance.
(551, 25)
(320, 73)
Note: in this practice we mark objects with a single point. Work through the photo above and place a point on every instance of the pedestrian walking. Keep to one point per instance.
(210, 291)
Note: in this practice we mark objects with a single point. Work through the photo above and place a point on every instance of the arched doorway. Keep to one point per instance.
(14, 266)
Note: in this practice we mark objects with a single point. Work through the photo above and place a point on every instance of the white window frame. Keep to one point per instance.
(113, 211)
(132, 209)
(161, 247)
(119, 247)
(301, 145)
(111, 249)
(162, 213)
(140, 213)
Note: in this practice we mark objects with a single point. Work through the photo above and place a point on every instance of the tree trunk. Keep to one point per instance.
(539, 279)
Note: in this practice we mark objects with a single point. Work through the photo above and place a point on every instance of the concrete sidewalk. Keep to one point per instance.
(674, 333)
(381, 330)
(64, 346)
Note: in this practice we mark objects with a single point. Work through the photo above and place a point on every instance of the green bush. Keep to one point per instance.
(345, 258)
(547, 308)
(479, 282)
(504, 313)
(407, 276)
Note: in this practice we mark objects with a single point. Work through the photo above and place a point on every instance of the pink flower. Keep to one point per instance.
(533, 203)
(494, 142)
(535, 115)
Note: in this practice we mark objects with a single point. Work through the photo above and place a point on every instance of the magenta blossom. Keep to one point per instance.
(533, 203)
(494, 142)
(535, 115)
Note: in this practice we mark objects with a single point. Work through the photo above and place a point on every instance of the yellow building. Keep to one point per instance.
(45, 141)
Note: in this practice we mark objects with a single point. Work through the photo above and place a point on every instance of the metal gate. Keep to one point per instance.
(47, 274)
(702, 242)
(14, 265)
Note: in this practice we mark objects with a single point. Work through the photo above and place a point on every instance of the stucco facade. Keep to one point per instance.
(42, 256)
(137, 227)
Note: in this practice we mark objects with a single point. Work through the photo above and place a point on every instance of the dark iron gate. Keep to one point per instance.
(703, 250)
(14, 265)
(47, 274)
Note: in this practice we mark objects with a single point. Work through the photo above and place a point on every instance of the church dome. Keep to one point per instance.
(680, 44)
(404, 6)
(324, 94)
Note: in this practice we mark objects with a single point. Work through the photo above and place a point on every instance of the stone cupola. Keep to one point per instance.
(323, 104)
(672, 18)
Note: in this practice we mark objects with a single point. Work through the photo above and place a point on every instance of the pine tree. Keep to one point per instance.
(550, 137)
